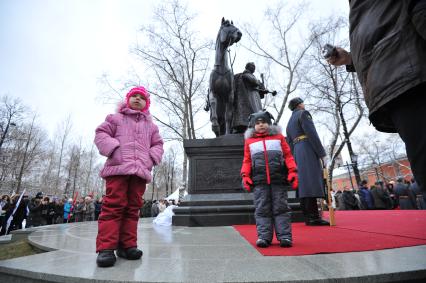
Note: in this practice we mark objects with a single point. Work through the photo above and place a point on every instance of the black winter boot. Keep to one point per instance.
(317, 222)
(261, 243)
(106, 258)
(130, 253)
(286, 243)
(310, 211)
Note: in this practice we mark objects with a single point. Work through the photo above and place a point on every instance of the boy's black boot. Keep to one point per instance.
(130, 253)
(106, 258)
(261, 243)
(286, 243)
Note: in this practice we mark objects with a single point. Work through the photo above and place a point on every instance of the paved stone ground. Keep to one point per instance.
(200, 254)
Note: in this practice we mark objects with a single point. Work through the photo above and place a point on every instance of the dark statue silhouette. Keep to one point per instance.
(231, 99)
(248, 92)
(221, 92)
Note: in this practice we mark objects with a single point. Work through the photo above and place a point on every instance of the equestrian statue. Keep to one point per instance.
(221, 87)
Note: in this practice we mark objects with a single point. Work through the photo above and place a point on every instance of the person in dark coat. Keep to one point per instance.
(390, 188)
(380, 196)
(365, 196)
(59, 211)
(20, 213)
(348, 201)
(404, 195)
(388, 52)
(45, 210)
(420, 198)
(308, 152)
(34, 206)
(5, 204)
(269, 169)
(51, 212)
(78, 210)
(17, 216)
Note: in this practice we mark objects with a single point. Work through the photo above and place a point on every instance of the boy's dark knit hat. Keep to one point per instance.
(264, 116)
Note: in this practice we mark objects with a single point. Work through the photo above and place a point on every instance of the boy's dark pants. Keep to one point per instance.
(118, 221)
(272, 211)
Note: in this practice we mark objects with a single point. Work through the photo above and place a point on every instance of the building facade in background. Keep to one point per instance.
(386, 172)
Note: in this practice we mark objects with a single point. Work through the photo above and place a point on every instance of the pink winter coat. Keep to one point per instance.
(132, 143)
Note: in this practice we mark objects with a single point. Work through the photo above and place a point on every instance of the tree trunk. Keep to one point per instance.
(24, 159)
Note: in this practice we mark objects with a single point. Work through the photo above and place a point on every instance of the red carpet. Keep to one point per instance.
(354, 231)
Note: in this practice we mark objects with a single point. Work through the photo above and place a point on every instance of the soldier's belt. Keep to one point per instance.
(300, 138)
(403, 197)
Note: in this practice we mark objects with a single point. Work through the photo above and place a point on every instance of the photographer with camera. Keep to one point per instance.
(388, 52)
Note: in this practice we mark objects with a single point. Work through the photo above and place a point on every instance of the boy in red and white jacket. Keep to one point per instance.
(268, 166)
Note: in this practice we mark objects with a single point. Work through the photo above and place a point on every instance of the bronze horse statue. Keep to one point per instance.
(221, 91)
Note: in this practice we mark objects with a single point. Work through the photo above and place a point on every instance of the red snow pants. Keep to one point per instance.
(118, 221)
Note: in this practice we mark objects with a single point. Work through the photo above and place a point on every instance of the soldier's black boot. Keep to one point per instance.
(130, 253)
(106, 258)
(317, 222)
(310, 211)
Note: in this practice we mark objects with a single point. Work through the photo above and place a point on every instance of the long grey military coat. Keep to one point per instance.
(306, 153)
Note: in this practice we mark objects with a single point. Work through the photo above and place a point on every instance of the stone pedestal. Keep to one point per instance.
(215, 195)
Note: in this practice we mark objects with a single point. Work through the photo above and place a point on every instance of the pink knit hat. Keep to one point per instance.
(139, 90)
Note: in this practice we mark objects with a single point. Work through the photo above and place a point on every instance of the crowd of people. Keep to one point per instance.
(403, 194)
(45, 210)
(152, 208)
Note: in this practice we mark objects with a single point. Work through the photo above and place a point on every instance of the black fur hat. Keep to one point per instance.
(294, 102)
(260, 115)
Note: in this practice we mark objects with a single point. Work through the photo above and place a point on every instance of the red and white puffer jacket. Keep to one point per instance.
(267, 157)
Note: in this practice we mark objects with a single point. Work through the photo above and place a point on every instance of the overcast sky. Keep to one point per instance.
(52, 52)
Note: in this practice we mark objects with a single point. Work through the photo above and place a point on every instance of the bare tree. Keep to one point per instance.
(11, 112)
(88, 167)
(334, 95)
(280, 49)
(178, 62)
(65, 127)
(11, 115)
(48, 179)
(31, 151)
(377, 149)
(73, 166)
(28, 158)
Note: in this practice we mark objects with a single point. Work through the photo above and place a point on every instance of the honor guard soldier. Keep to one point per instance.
(307, 151)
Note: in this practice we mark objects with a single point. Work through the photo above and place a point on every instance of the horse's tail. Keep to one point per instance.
(207, 107)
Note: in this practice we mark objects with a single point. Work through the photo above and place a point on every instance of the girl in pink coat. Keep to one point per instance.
(133, 145)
